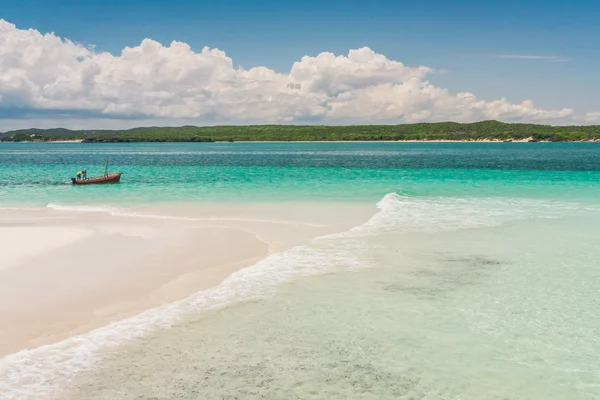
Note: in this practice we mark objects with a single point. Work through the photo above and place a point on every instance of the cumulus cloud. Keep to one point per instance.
(44, 75)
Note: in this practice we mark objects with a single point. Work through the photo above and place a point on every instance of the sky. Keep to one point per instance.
(117, 64)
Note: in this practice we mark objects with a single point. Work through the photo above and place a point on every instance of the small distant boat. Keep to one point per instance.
(108, 178)
(102, 179)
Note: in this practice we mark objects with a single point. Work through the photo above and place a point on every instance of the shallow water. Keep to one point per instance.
(476, 279)
(456, 314)
(34, 174)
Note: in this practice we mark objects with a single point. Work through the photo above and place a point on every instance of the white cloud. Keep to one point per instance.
(592, 117)
(531, 57)
(43, 76)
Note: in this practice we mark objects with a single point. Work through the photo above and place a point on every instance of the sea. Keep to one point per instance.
(477, 276)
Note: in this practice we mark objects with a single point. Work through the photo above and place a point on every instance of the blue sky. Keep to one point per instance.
(463, 38)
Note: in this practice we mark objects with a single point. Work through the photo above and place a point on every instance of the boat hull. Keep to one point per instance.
(98, 180)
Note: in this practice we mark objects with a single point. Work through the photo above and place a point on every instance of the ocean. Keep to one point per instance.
(476, 277)
(35, 173)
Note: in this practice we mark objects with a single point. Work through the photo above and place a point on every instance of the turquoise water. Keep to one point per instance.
(483, 313)
(476, 279)
(34, 174)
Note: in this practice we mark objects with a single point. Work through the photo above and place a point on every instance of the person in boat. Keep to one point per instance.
(79, 175)
(85, 174)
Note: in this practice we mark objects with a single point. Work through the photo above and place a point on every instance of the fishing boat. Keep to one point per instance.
(101, 179)
(108, 178)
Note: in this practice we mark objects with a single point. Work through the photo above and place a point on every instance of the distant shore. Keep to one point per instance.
(484, 131)
(526, 140)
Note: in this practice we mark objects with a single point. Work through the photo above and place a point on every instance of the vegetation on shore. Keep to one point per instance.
(485, 130)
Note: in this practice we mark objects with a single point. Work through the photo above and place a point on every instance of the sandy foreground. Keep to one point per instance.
(66, 272)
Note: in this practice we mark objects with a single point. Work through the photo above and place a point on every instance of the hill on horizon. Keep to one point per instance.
(493, 130)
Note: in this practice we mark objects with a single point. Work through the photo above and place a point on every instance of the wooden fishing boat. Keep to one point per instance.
(101, 179)
(108, 178)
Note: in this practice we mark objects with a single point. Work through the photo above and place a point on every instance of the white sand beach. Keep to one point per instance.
(69, 270)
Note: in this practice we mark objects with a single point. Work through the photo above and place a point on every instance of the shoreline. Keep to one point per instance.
(485, 130)
(526, 140)
(109, 268)
(59, 292)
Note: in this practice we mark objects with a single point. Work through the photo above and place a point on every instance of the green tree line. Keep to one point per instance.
(492, 130)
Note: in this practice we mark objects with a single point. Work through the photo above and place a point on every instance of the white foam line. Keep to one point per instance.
(40, 372)
(22, 208)
(117, 212)
(4, 219)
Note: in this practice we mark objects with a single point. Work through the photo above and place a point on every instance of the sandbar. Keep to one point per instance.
(64, 273)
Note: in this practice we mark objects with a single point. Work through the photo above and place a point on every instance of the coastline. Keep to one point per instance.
(103, 268)
(489, 130)
(526, 140)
